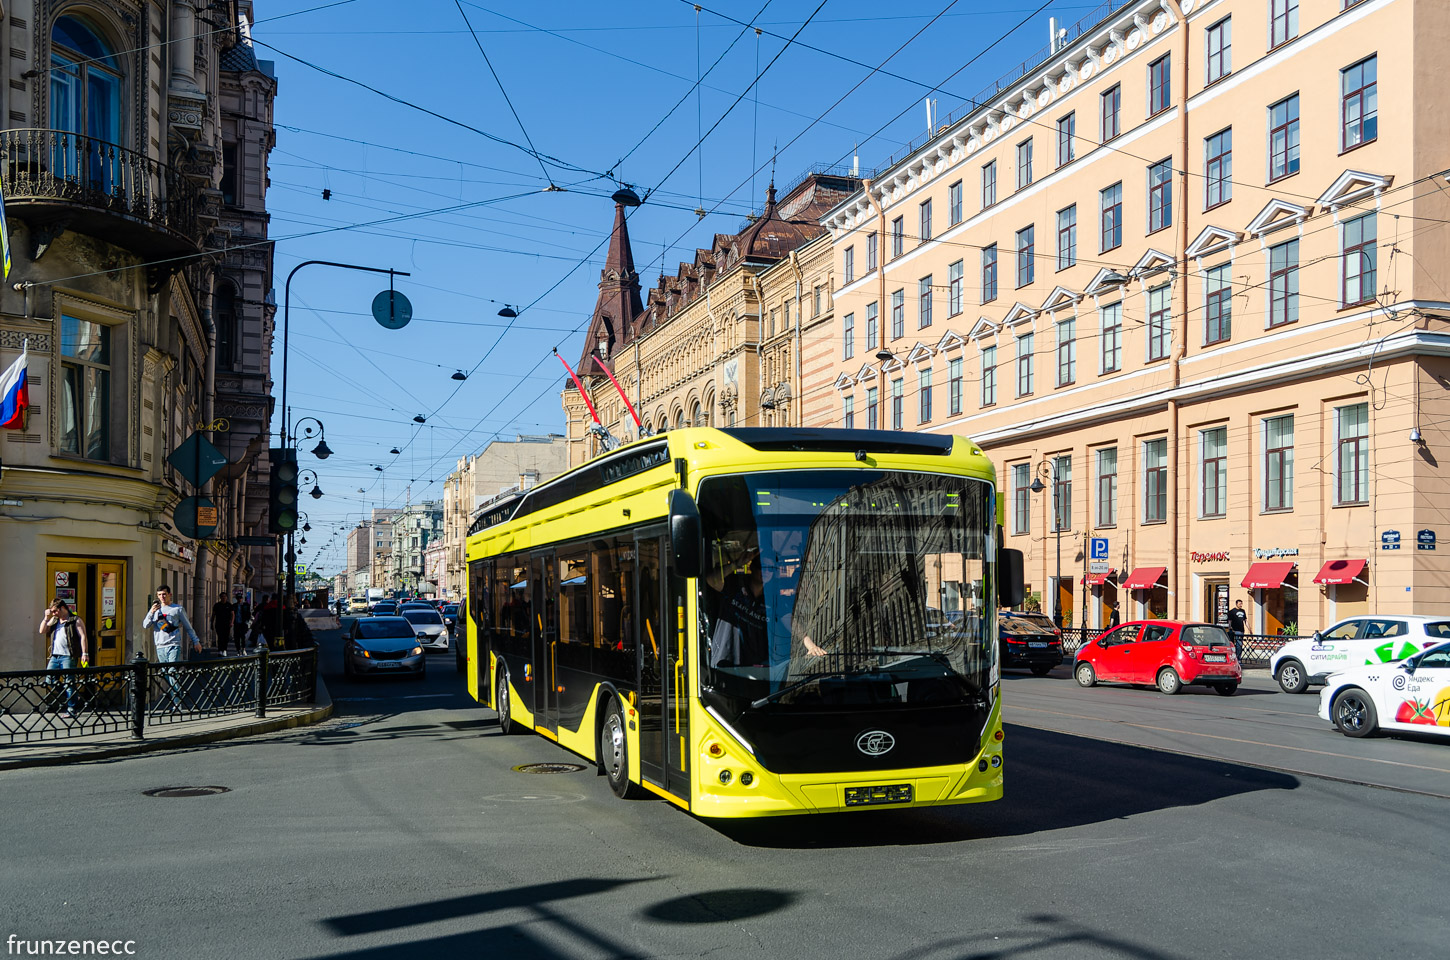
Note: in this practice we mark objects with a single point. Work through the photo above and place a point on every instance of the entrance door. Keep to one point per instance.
(1215, 601)
(545, 585)
(96, 591)
(664, 680)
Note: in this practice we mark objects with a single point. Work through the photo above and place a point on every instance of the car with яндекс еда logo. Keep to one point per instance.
(1169, 654)
(1354, 642)
(1410, 695)
(382, 645)
(1025, 642)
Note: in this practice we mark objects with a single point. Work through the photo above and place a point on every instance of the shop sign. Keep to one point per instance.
(1425, 540)
(1216, 556)
(1390, 540)
(1269, 553)
(177, 550)
(108, 601)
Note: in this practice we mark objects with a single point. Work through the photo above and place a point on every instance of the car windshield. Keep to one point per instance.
(422, 616)
(825, 590)
(382, 628)
(386, 608)
(1023, 625)
(451, 610)
(1203, 635)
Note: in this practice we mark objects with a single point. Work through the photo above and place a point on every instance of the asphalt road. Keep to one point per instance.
(399, 830)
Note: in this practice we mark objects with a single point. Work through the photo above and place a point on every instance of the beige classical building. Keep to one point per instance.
(134, 171)
(719, 342)
(1190, 272)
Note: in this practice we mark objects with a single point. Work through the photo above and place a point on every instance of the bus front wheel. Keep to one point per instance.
(501, 702)
(614, 753)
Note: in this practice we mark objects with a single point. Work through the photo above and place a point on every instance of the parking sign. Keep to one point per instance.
(1099, 549)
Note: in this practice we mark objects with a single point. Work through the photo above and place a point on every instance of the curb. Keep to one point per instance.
(320, 711)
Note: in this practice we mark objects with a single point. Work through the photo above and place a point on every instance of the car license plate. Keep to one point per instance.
(1038, 646)
(891, 793)
(1215, 658)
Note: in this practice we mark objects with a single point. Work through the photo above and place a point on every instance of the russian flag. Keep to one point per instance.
(14, 394)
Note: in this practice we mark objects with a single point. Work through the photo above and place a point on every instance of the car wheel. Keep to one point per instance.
(1226, 689)
(614, 754)
(1040, 670)
(501, 706)
(1291, 677)
(1354, 714)
(1085, 675)
(1169, 682)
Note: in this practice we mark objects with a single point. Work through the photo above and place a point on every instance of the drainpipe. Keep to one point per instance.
(1180, 295)
(797, 387)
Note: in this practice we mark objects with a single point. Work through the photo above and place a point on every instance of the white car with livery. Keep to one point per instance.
(1411, 695)
(1354, 642)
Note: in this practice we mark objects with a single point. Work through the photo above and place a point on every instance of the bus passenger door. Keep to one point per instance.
(664, 670)
(652, 663)
(544, 580)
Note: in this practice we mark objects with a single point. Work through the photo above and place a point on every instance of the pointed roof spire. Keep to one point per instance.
(620, 259)
(618, 307)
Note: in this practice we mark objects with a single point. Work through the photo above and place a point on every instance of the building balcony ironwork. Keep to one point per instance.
(56, 181)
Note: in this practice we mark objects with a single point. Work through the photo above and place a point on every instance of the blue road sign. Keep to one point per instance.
(1425, 540)
(1099, 548)
(1390, 540)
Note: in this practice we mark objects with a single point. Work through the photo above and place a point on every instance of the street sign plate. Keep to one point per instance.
(1425, 540)
(1099, 551)
(1098, 566)
(197, 460)
(250, 541)
(392, 309)
(191, 517)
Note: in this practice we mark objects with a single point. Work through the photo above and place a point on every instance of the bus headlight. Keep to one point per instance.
(725, 777)
(747, 778)
(996, 759)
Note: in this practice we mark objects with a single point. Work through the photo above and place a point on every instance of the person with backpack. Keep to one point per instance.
(66, 645)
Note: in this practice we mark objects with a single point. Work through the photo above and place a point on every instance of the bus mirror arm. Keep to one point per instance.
(1009, 578)
(684, 534)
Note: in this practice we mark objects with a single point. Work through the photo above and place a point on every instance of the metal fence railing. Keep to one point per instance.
(1257, 647)
(56, 704)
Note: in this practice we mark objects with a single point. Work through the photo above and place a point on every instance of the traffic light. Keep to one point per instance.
(282, 498)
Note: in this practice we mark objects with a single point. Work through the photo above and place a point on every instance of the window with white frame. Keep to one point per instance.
(954, 203)
(1066, 351)
(898, 403)
(848, 412)
(849, 264)
(1155, 481)
(923, 302)
(1024, 163)
(1021, 498)
(954, 386)
(1218, 168)
(898, 314)
(1160, 195)
(1283, 21)
(1358, 103)
(1213, 472)
(989, 273)
(1112, 104)
(1284, 138)
(872, 326)
(1351, 461)
(1278, 463)
(1218, 50)
(1066, 139)
(1218, 304)
(1160, 85)
(923, 395)
(1107, 487)
(1024, 364)
(925, 221)
(1062, 493)
(954, 288)
(989, 376)
(1110, 320)
(1284, 283)
(1159, 316)
(1067, 237)
(1026, 255)
(898, 237)
(989, 184)
(1111, 221)
(1357, 240)
(848, 335)
(873, 412)
(872, 251)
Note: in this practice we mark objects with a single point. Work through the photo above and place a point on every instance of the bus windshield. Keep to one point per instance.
(846, 590)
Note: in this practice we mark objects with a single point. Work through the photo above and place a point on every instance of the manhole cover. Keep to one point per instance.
(548, 768)
(185, 791)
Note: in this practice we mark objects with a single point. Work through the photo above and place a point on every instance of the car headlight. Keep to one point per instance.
(417, 650)
(364, 653)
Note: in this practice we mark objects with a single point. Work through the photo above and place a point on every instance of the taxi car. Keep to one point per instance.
(1170, 654)
(1354, 642)
(1411, 695)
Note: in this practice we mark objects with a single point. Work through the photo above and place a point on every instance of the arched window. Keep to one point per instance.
(225, 318)
(85, 99)
(695, 417)
(679, 419)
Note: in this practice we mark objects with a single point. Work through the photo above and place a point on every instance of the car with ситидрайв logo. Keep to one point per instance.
(1354, 642)
(1409, 696)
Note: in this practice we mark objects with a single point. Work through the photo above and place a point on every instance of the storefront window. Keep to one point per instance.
(1281, 607)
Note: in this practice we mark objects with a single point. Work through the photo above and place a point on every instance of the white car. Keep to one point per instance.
(1355, 642)
(428, 623)
(1411, 695)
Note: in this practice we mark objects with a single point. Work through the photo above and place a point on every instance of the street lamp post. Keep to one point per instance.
(1048, 469)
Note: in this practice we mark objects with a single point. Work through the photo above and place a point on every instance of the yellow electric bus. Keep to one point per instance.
(755, 622)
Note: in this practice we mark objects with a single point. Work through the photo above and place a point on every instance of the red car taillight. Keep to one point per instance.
(1191, 651)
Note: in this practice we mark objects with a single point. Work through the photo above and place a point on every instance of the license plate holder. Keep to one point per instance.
(884, 793)
(1038, 646)
(1215, 658)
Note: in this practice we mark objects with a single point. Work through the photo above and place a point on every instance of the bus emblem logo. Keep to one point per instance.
(874, 743)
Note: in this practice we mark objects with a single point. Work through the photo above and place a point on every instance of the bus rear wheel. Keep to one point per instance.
(614, 753)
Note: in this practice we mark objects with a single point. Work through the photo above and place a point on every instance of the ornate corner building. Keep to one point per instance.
(133, 162)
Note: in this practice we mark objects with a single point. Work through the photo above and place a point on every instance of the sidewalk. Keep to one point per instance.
(106, 746)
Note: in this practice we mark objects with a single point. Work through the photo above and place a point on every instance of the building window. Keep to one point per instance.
(85, 394)
(1111, 203)
(898, 314)
(1026, 255)
(873, 413)
(1218, 168)
(989, 376)
(954, 203)
(872, 340)
(954, 386)
(1061, 493)
(1155, 481)
(1107, 487)
(954, 288)
(816, 301)
(989, 184)
(1213, 472)
(1283, 21)
(1160, 195)
(849, 267)
(989, 273)
(85, 100)
(1284, 138)
(1066, 352)
(1024, 365)
(1066, 137)
(1359, 113)
(1021, 498)
(1159, 333)
(1358, 261)
(1067, 237)
(925, 221)
(848, 412)
(1218, 306)
(923, 302)
(1278, 463)
(1160, 85)
(1112, 112)
(898, 237)
(872, 251)
(770, 330)
(848, 335)
(898, 401)
(923, 395)
(1111, 319)
(1284, 283)
(226, 326)
(1351, 464)
(1024, 163)
(229, 184)
(1218, 46)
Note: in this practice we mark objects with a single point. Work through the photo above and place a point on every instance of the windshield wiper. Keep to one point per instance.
(831, 674)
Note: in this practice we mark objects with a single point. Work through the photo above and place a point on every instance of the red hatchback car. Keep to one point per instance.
(1165, 653)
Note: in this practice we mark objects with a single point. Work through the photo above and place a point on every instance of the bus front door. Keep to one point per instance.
(664, 674)
(544, 580)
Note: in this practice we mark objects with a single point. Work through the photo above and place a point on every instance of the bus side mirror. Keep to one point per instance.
(1010, 579)
(684, 534)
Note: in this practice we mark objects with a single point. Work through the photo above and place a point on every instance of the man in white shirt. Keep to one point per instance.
(66, 644)
(168, 622)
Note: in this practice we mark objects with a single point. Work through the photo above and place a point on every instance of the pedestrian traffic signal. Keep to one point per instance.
(282, 500)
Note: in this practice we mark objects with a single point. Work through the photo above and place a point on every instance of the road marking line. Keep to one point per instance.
(411, 696)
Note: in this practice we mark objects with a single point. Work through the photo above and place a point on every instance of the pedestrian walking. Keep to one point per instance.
(1238, 621)
(221, 623)
(67, 645)
(1114, 618)
(168, 623)
(265, 623)
(241, 622)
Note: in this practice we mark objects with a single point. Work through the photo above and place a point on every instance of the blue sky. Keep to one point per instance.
(598, 88)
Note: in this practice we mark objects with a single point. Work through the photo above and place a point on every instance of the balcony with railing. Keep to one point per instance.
(58, 180)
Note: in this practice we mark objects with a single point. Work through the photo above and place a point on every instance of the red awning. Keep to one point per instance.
(1340, 571)
(1098, 579)
(1267, 576)
(1143, 578)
